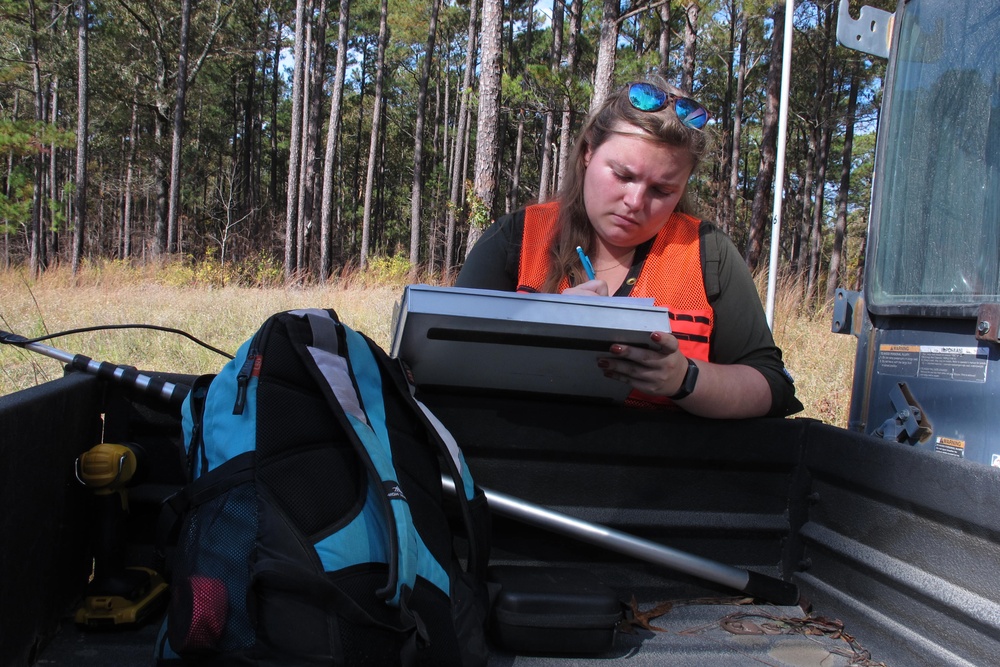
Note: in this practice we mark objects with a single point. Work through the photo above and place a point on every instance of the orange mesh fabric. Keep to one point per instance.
(539, 226)
(671, 274)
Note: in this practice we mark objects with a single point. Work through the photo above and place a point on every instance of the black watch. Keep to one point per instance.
(688, 383)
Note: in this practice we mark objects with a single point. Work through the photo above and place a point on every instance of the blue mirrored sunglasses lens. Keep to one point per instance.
(646, 98)
(690, 113)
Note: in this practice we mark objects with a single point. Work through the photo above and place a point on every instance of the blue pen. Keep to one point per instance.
(587, 266)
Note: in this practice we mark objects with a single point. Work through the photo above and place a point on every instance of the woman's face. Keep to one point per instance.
(632, 185)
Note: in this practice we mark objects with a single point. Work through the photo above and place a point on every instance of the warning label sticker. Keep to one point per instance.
(950, 446)
(938, 362)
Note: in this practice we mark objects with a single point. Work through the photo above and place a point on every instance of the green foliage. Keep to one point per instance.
(387, 270)
(260, 270)
(57, 215)
(15, 207)
(193, 272)
(29, 137)
(479, 214)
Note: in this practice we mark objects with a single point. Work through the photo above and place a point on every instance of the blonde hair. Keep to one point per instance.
(573, 226)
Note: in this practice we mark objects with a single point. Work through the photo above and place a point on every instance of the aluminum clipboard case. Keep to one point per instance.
(490, 341)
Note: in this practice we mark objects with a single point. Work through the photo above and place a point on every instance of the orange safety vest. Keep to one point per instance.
(671, 275)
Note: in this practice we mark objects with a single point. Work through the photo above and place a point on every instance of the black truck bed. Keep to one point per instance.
(900, 547)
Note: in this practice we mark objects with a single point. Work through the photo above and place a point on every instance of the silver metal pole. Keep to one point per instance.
(172, 393)
(756, 584)
(779, 176)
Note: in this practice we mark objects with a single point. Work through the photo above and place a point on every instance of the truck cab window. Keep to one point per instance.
(937, 235)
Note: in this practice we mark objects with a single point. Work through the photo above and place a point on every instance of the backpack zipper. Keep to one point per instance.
(251, 367)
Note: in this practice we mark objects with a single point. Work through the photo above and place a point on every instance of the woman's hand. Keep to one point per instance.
(658, 371)
(722, 390)
(596, 287)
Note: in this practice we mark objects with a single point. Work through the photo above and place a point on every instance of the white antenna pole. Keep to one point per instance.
(779, 175)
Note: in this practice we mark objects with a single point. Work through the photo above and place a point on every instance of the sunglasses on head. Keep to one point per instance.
(647, 97)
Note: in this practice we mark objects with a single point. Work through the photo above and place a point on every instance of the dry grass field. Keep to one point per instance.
(224, 316)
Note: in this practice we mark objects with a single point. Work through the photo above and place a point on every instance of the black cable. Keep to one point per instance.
(106, 327)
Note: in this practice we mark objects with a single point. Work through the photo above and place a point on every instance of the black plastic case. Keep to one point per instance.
(540, 610)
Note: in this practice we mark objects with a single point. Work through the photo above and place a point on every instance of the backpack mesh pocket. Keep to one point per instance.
(208, 607)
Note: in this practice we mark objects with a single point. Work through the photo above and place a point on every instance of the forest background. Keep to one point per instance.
(291, 140)
(314, 146)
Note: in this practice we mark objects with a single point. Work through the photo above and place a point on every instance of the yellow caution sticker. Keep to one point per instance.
(950, 446)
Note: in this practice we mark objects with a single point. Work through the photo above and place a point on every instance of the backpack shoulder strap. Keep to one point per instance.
(349, 373)
(710, 256)
(476, 525)
(193, 415)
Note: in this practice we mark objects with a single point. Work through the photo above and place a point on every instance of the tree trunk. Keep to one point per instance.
(295, 143)
(807, 177)
(665, 40)
(7, 185)
(690, 41)
(133, 137)
(606, 50)
(247, 180)
(53, 251)
(82, 126)
(487, 137)
(307, 93)
(383, 39)
(816, 233)
(859, 274)
(275, 85)
(545, 178)
(51, 221)
(768, 145)
(313, 126)
(442, 120)
(515, 181)
(461, 133)
(572, 54)
(330, 157)
(160, 182)
(418, 142)
(824, 114)
(173, 206)
(36, 240)
(840, 226)
(725, 119)
(729, 220)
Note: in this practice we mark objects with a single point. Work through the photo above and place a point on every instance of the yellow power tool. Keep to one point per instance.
(116, 595)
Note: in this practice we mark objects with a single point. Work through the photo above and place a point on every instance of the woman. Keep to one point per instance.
(623, 202)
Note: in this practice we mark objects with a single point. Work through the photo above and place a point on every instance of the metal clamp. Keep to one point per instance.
(871, 33)
(909, 424)
(988, 323)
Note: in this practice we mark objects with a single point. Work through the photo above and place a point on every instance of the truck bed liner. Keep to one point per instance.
(693, 635)
(899, 544)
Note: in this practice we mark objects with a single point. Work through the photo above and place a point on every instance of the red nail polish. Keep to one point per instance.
(656, 337)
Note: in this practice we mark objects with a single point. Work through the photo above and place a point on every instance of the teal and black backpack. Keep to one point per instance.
(315, 530)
